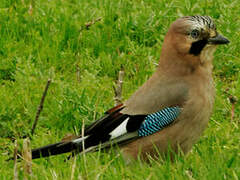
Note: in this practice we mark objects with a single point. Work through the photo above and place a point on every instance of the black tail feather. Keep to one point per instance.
(53, 149)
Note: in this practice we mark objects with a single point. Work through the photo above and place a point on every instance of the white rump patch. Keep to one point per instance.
(120, 130)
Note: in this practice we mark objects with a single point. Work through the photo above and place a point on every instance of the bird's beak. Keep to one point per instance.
(219, 39)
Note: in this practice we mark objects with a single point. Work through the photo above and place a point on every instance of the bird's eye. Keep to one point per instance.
(194, 33)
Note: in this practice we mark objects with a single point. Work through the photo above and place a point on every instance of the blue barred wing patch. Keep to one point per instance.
(156, 121)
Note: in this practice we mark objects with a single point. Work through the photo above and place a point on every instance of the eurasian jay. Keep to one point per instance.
(170, 110)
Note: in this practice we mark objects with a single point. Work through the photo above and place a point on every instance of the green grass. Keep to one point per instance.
(53, 42)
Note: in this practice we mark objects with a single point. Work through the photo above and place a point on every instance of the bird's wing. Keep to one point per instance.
(136, 126)
(154, 106)
(122, 123)
(118, 127)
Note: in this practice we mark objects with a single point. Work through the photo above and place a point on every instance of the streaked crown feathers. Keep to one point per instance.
(201, 21)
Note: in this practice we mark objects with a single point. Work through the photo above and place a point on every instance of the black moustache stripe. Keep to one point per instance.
(197, 47)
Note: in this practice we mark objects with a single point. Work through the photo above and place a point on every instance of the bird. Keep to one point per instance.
(170, 111)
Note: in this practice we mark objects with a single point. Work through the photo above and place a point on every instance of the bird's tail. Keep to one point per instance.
(64, 146)
(54, 149)
(76, 146)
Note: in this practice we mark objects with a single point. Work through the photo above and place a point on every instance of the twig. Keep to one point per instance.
(92, 22)
(83, 147)
(118, 51)
(27, 157)
(31, 7)
(40, 107)
(15, 171)
(95, 109)
(78, 73)
(118, 88)
(83, 127)
(233, 101)
(89, 24)
(30, 10)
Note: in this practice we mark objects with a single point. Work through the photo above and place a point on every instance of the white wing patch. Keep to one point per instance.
(120, 130)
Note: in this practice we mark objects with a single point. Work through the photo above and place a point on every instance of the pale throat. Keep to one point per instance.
(207, 53)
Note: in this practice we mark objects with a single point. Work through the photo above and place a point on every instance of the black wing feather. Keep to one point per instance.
(106, 119)
(96, 133)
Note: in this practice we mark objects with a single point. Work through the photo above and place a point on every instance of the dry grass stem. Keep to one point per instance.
(118, 88)
(15, 170)
(27, 157)
(73, 167)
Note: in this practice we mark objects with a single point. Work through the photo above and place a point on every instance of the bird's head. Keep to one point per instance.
(192, 39)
